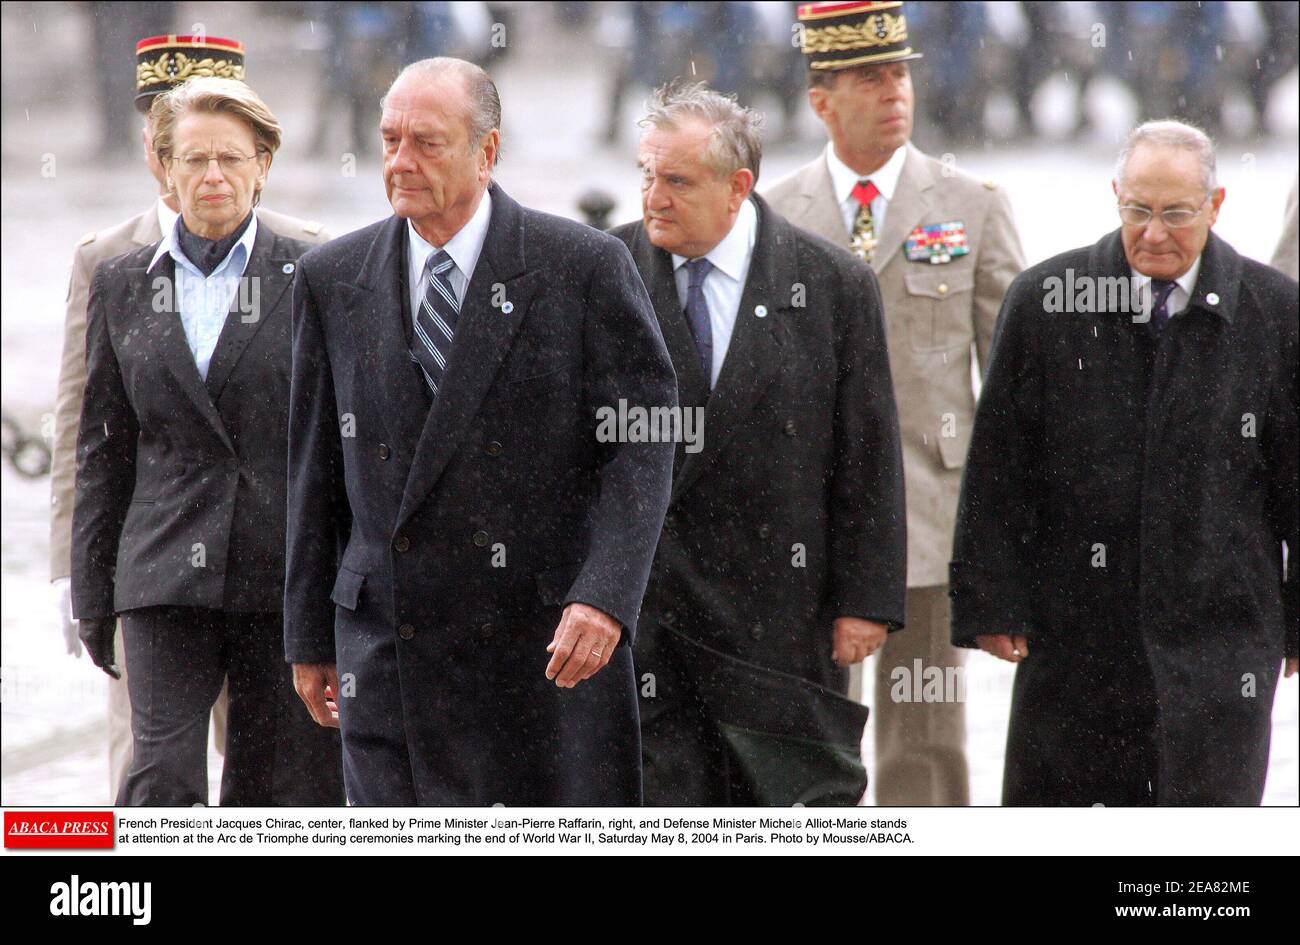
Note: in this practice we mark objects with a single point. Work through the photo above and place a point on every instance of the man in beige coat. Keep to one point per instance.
(1285, 256)
(944, 248)
(226, 58)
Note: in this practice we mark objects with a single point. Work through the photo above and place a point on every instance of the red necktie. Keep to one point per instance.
(864, 192)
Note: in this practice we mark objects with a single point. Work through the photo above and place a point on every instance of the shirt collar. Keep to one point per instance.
(1186, 282)
(170, 245)
(732, 253)
(845, 178)
(464, 248)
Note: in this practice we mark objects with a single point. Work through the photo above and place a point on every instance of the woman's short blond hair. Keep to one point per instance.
(214, 96)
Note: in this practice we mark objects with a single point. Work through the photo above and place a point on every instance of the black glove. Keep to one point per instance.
(97, 637)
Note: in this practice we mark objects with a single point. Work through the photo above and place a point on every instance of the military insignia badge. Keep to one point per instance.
(937, 242)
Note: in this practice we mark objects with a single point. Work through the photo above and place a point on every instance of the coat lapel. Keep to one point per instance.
(911, 203)
(754, 356)
(267, 265)
(377, 307)
(154, 296)
(821, 210)
(656, 268)
(484, 334)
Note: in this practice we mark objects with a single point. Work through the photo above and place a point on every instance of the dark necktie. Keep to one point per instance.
(435, 322)
(1160, 291)
(863, 241)
(697, 313)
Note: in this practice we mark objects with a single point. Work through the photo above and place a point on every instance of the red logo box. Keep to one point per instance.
(78, 829)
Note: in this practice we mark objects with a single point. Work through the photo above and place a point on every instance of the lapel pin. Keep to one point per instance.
(507, 307)
(760, 311)
(288, 267)
(1213, 298)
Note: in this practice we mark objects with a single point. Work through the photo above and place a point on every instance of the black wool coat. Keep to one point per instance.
(1125, 503)
(431, 551)
(792, 513)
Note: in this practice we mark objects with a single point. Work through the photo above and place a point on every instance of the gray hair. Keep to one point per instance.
(484, 101)
(1168, 133)
(735, 140)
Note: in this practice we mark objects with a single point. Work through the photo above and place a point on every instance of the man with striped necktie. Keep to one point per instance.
(467, 552)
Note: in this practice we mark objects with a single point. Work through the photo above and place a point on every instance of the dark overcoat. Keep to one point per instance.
(1125, 503)
(792, 513)
(431, 551)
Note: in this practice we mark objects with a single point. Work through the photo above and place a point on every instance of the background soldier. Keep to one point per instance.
(944, 248)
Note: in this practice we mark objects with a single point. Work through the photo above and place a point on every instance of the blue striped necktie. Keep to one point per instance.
(435, 322)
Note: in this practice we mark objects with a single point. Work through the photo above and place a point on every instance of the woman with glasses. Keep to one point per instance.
(179, 517)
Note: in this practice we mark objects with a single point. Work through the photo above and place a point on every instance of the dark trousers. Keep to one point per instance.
(684, 761)
(275, 754)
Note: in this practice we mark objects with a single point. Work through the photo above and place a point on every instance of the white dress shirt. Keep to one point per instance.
(463, 248)
(845, 178)
(725, 282)
(205, 300)
(1179, 296)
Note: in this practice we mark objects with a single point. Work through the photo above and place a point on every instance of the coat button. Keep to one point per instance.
(790, 428)
(179, 469)
(943, 288)
(384, 451)
(494, 448)
(403, 543)
(669, 618)
(406, 631)
(486, 629)
(765, 530)
(756, 632)
(481, 539)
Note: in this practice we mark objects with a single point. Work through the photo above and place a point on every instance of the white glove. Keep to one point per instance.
(63, 595)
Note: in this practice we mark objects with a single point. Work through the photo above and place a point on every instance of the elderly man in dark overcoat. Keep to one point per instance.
(1131, 486)
(467, 554)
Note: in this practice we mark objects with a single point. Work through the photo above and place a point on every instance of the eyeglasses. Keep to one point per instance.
(231, 161)
(1174, 219)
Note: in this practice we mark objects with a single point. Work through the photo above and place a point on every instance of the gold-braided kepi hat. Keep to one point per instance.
(164, 62)
(847, 35)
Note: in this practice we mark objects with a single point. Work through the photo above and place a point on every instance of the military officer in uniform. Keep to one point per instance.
(162, 62)
(944, 249)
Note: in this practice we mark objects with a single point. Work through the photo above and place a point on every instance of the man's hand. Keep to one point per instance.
(63, 595)
(317, 685)
(583, 644)
(855, 639)
(1012, 647)
(1290, 666)
(97, 635)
